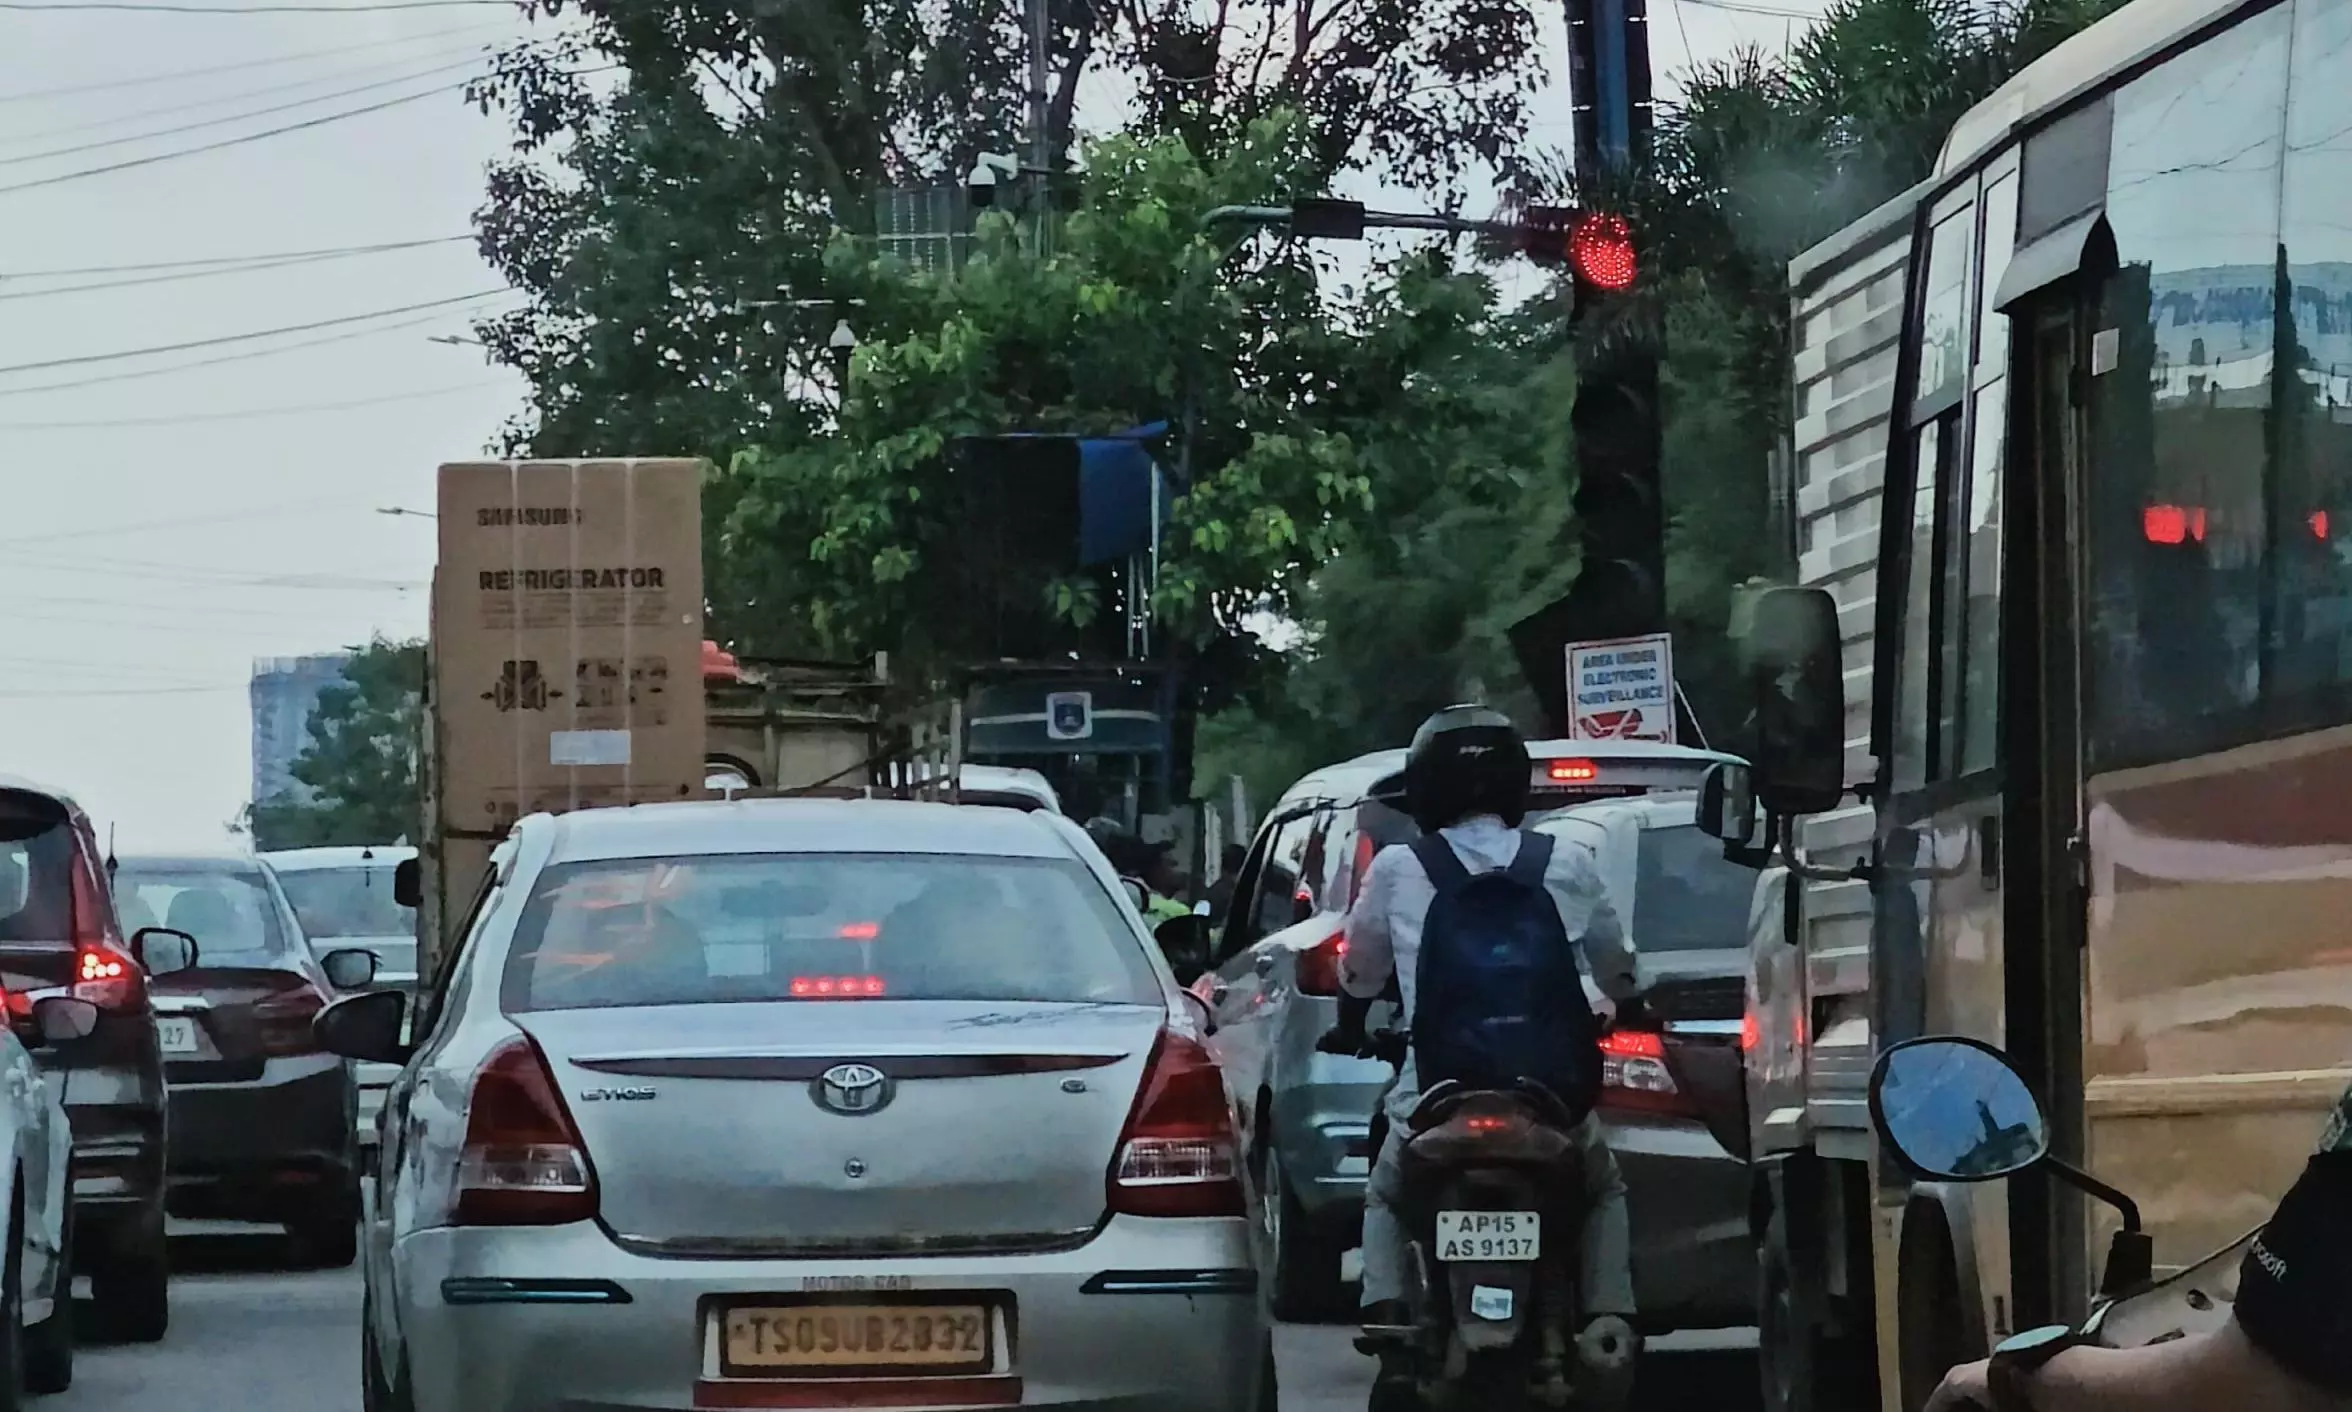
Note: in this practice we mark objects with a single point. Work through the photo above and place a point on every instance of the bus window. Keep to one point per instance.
(2311, 570)
(2177, 515)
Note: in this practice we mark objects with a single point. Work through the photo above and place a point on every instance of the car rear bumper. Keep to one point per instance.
(1322, 1128)
(1149, 1316)
(118, 1145)
(1694, 1258)
(245, 1148)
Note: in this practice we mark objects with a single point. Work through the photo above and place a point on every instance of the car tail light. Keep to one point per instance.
(1177, 1156)
(1319, 965)
(104, 973)
(837, 987)
(1571, 772)
(1365, 851)
(1634, 1076)
(524, 1163)
(283, 1022)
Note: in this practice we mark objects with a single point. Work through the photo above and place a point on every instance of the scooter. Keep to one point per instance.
(1493, 1207)
(1955, 1110)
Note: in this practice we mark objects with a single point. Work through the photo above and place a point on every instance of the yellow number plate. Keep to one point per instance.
(832, 1337)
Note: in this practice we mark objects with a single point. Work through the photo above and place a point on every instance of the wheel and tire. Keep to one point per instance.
(326, 1237)
(49, 1345)
(12, 1330)
(1269, 1379)
(1303, 1279)
(1802, 1365)
(132, 1285)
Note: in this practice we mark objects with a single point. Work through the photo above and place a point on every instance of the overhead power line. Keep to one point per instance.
(229, 119)
(83, 360)
(159, 7)
(218, 359)
(181, 276)
(163, 76)
(328, 252)
(243, 138)
(250, 413)
(383, 68)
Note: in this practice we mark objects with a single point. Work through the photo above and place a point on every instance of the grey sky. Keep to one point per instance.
(152, 544)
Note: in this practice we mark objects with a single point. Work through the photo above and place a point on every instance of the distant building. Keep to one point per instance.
(283, 692)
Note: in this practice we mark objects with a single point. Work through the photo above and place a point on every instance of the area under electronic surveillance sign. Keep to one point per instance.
(1069, 715)
(1622, 688)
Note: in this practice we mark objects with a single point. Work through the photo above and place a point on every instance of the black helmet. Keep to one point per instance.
(1465, 761)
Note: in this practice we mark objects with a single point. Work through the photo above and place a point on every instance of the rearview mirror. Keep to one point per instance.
(1185, 942)
(408, 883)
(1794, 671)
(1955, 1110)
(1727, 803)
(162, 951)
(61, 1019)
(349, 968)
(365, 1027)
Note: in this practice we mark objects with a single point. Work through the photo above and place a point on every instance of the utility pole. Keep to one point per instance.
(1040, 98)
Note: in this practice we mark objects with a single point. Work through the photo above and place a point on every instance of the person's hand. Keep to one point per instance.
(1964, 1389)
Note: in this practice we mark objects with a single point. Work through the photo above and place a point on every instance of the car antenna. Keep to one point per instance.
(112, 863)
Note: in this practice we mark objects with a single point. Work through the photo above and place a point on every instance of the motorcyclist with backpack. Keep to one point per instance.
(1472, 929)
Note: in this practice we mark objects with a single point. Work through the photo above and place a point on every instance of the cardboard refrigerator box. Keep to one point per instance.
(567, 638)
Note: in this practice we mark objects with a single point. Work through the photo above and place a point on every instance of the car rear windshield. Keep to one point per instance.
(347, 902)
(1687, 897)
(36, 872)
(805, 926)
(228, 910)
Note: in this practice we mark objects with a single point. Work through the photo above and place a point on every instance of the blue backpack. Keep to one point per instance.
(1499, 998)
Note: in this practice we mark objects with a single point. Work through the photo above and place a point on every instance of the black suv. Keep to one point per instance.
(59, 935)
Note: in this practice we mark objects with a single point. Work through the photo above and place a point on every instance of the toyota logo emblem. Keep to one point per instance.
(853, 1090)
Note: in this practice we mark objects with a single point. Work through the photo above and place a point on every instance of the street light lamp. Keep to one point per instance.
(842, 345)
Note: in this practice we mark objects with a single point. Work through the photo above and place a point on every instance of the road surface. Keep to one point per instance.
(249, 1335)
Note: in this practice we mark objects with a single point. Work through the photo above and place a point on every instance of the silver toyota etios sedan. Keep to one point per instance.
(804, 1104)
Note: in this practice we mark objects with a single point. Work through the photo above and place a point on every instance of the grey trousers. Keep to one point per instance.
(1607, 1246)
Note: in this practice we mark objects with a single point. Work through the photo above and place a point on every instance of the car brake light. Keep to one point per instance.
(836, 987)
(105, 977)
(283, 1022)
(1365, 849)
(1634, 1073)
(1177, 1156)
(1571, 771)
(1319, 965)
(524, 1163)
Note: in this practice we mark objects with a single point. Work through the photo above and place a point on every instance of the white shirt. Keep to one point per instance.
(1384, 927)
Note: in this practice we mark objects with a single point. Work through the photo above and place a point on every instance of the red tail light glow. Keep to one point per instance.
(1365, 851)
(2318, 520)
(836, 987)
(1634, 1075)
(1177, 1156)
(860, 931)
(104, 973)
(1572, 771)
(1486, 1124)
(1319, 965)
(2173, 524)
(524, 1163)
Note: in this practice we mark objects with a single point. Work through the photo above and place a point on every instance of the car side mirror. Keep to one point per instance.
(1185, 942)
(1795, 673)
(62, 1019)
(366, 1027)
(408, 883)
(1201, 1014)
(1727, 803)
(1137, 893)
(163, 951)
(1954, 1110)
(349, 968)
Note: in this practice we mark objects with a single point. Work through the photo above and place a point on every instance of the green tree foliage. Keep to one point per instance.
(366, 735)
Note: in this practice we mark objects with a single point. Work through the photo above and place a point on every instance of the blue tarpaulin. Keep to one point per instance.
(1115, 483)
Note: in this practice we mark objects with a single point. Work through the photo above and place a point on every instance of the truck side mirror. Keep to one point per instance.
(408, 883)
(1727, 803)
(1800, 693)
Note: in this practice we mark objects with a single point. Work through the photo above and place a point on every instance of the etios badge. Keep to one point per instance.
(852, 1089)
